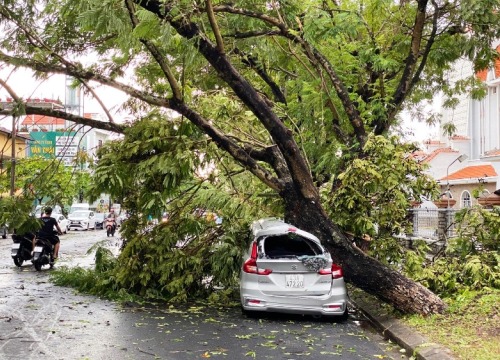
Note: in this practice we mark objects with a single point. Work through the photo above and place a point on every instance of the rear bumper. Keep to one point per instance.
(334, 303)
(78, 226)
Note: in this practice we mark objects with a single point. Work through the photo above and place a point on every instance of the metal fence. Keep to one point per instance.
(433, 223)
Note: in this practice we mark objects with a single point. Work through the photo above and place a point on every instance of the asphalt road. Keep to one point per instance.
(40, 320)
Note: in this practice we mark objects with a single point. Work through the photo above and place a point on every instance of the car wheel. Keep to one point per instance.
(251, 314)
(345, 315)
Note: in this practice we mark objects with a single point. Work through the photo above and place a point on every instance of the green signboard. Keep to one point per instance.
(43, 144)
(55, 144)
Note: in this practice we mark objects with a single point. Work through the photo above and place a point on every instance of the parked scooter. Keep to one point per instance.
(43, 253)
(110, 227)
(21, 248)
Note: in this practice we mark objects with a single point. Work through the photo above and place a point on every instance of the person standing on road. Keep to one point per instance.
(47, 231)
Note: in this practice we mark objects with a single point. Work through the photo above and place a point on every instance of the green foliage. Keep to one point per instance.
(165, 163)
(15, 212)
(375, 191)
(471, 260)
(168, 167)
(38, 179)
(185, 258)
(99, 281)
(478, 230)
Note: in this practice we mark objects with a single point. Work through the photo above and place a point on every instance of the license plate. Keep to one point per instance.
(15, 246)
(38, 249)
(75, 222)
(294, 281)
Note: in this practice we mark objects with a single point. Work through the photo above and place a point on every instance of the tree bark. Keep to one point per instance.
(360, 269)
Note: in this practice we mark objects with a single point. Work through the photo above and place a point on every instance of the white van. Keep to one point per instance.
(56, 209)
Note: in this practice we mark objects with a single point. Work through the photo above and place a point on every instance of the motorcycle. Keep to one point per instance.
(110, 227)
(43, 253)
(21, 248)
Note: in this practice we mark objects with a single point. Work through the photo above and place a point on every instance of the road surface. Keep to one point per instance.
(39, 320)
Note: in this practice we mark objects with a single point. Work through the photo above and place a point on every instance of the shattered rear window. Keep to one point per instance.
(287, 245)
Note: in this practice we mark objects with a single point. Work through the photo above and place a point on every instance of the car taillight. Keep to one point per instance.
(336, 271)
(250, 266)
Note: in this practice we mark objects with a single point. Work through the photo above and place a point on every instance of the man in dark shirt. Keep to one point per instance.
(47, 230)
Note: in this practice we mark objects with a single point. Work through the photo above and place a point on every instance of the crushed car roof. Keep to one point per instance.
(274, 226)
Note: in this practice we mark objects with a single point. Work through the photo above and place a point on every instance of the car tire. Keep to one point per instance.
(345, 315)
(251, 314)
(339, 318)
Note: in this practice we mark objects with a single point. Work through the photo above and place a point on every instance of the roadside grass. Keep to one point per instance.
(470, 327)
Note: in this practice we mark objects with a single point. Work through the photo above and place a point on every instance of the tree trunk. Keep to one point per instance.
(360, 269)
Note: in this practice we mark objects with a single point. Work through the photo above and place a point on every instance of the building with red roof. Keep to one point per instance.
(477, 136)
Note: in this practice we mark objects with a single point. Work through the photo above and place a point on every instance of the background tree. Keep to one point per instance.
(37, 180)
(290, 91)
(48, 180)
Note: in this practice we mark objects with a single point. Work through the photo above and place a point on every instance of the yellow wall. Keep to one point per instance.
(6, 146)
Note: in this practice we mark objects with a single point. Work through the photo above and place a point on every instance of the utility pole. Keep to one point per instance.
(13, 158)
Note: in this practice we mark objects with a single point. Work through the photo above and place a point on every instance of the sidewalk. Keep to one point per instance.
(393, 329)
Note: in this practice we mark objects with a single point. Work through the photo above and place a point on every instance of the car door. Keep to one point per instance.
(299, 266)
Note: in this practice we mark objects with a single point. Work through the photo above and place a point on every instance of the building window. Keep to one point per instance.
(466, 199)
(99, 143)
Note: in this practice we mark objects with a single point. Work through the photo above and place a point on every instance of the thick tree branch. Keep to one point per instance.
(261, 71)
(252, 34)
(218, 137)
(215, 27)
(156, 53)
(33, 110)
(247, 93)
(317, 59)
(411, 60)
(224, 142)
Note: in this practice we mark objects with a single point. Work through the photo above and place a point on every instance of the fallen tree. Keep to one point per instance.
(290, 91)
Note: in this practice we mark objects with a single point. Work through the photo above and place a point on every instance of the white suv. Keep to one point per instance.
(288, 270)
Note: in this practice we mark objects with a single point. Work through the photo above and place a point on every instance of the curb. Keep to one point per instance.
(393, 329)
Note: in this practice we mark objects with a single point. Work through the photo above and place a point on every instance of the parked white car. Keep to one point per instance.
(81, 220)
(62, 221)
(288, 270)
